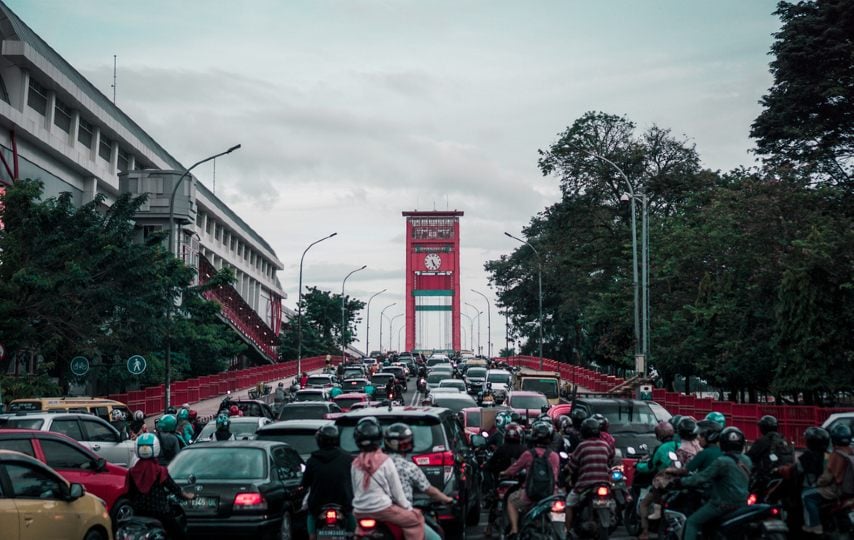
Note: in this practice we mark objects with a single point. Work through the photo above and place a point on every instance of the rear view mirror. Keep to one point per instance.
(75, 492)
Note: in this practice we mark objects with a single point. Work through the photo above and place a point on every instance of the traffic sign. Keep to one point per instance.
(80, 365)
(136, 364)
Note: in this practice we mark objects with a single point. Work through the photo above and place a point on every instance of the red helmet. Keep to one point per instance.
(233, 410)
(193, 414)
(513, 432)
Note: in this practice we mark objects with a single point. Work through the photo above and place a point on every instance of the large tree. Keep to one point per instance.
(321, 325)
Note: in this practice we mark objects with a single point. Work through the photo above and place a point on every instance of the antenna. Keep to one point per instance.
(114, 79)
(447, 203)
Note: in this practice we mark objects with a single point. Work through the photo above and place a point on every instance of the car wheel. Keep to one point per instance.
(95, 534)
(121, 510)
(286, 531)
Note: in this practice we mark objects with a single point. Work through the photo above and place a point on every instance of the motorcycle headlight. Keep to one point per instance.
(616, 476)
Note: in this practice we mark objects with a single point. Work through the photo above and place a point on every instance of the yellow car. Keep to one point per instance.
(36, 503)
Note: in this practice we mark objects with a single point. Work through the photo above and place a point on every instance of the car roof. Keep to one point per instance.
(294, 404)
(397, 411)
(357, 379)
(499, 371)
(301, 423)
(38, 434)
(351, 395)
(455, 381)
(603, 400)
(243, 443)
(242, 419)
(44, 414)
(524, 393)
(312, 391)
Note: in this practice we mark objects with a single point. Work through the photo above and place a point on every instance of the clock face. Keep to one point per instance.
(432, 261)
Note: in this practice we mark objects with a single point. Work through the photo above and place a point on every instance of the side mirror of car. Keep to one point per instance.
(100, 464)
(478, 441)
(75, 491)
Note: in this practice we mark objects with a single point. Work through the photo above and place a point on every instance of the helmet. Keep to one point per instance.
(281, 384)
(116, 415)
(732, 440)
(840, 435)
(147, 446)
(603, 422)
(167, 423)
(368, 434)
(193, 414)
(327, 437)
(674, 421)
(183, 414)
(541, 432)
(818, 439)
(398, 438)
(577, 416)
(223, 422)
(711, 431)
(138, 415)
(564, 423)
(664, 430)
(499, 397)
(171, 410)
(513, 432)
(590, 428)
(717, 417)
(502, 419)
(687, 428)
(767, 424)
(335, 392)
(233, 410)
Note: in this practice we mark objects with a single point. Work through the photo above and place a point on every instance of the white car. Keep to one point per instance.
(453, 383)
(500, 379)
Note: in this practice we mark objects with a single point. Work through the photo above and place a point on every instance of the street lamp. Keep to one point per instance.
(299, 302)
(368, 325)
(479, 313)
(488, 323)
(399, 330)
(168, 386)
(381, 324)
(539, 287)
(390, 321)
(471, 330)
(343, 303)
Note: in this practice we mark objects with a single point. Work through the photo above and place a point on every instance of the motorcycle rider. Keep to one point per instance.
(185, 428)
(196, 422)
(689, 444)
(589, 465)
(170, 443)
(660, 461)
(279, 397)
(322, 478)
(519, 501)
(603, 430)
(486, 394)
(830, 485)
(502, 420)
(804, 474)
(576, 417)
(510, 449)
(223, 428)
(771, 442)
(149, 486)
(718, 418)
(726, 481)
(377, 490)
(117, 420)
(137, 425)
(398, 443)
(708, 434)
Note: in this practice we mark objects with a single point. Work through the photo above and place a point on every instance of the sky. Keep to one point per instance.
(351, 111)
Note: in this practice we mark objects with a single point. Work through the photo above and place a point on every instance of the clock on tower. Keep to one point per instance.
(432, 261)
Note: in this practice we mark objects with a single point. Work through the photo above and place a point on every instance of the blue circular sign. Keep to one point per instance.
(80, 365)
(136, 364)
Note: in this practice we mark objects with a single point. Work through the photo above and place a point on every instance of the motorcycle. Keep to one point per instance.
(545, 520)
(498, 513)
(332, 523)
(622, 497)
(762, 521)
(140, 528)
(371, 528)
(596, 513)
(422, 385)
(837, 518)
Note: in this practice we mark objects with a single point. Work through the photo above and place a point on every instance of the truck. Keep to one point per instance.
(545, 382)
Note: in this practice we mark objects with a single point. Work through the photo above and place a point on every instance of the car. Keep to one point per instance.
(312, 394)
(89, 430)
(379, 380)
(346, 401)
(321, 380)
(434, 379)
(75, 463)
(455, 402)
(250, 407)
(440, 449)
(836, 419)
(500, 379)
(438, 359)
(36, 503)
(475, 378)
(249, 488)
(298, 434)
(360, 385)
(354, 372)
(242, 427)
(440, 367)
(453, 383)
(527, 403)
(399, 372)
(365, 404)
(308, 410)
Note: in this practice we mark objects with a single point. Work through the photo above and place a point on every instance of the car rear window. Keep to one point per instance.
(528, 402)
(452, 383)
(456, 403)
(548, 387)
(310, 396)
(625, 413)
(307, 412)
(301, 440)
(346, 403)
(427, 433)
(500, 378)
(318, 380)
(354, 385)
(23, 423)
(219, 463)
(240, 430)
(382, 378)
(23, 446)
(434, 378)
(476, 372)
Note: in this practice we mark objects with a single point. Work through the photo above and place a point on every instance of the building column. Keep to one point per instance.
(24, 90)
(50, 110)
(114, 158)
(131, 162)
(74, 129)
(90, 189)
(96, 143)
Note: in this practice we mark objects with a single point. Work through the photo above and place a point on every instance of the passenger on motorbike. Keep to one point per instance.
(603, 430)
(660, 461)
(519, 501)
(223, 428)
(830, 485)
(576, 417)
(322, 478)
(279, 397)
(117, 420)
(760, 452)
(196, 422)
(589, 466)
(805, 472)
(398, 443)
(185, 428)
(149, 486)
(689, 443)
(502, 420)
(726, 481)
(709, 434)
(377, 489)
(170, 444)
(505, 455)
(137, 425)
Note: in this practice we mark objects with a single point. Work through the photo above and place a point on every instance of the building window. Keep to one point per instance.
(123, 161)
(105, 147)
(85, 134)
(208, 226)
(62, 116)
(199, 219)
(37, 97)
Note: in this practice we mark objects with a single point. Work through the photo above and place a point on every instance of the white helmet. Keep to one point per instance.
(147, 446)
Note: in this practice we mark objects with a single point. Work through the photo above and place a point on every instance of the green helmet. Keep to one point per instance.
(717, 418)
(183, 414)
(147, 446)
(223, 422)
(168, 423)
(502, 419)
(335, 392)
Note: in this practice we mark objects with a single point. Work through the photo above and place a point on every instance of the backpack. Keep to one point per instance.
(847, 487)
(540, 482)
(780, 448)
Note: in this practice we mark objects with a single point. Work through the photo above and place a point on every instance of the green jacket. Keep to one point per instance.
(706, 457)
(660, 459)
(727, 481)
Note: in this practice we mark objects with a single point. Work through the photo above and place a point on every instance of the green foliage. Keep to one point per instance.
(321, 325)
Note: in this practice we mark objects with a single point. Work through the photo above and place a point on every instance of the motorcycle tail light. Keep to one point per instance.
(367, 523)
(751, 499)
(602, 491)
(775, 511)
(331, 517)
(558, 506)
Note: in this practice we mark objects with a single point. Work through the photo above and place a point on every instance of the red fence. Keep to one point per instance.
(793, 419)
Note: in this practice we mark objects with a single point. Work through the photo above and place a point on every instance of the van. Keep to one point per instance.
(97, 406)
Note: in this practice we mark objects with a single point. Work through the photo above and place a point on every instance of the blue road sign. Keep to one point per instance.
(79, 365)
(136, 364)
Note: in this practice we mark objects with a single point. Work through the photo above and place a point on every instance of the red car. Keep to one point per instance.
(346, 401)
(75, 463)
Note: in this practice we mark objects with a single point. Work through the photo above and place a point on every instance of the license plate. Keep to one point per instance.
(601, 503)
(774, 525)
(332, 533)
(558, 516)
(201, 504)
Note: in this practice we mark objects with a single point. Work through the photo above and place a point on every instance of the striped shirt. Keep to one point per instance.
(591, 461)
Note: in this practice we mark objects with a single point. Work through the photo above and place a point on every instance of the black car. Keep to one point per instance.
(379, 380)
(349, 386)
(454, 402)
(631, 422)
(308, 410)
(242, 488)
(399, 374)
(440, 449)
(299, 434)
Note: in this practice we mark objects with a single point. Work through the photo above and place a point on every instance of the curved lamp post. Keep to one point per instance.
(471, 330)
(390, 322)
(299, 302)
(488, 323)
(368, 324)
(343, 304)
(478, 314)
(381, 324)
(539, 287)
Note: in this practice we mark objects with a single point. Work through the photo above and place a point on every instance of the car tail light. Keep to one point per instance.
(775, 511)
(249, 501)
(751, 499)
(558, 506)
(602, 491)
(331, 517)
(436, 459)
(367, 523)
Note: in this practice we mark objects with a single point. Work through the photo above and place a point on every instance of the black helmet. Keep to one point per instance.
(398, 438)
(664, 431)
(603, 422)
(818, 439)
(674, 421)
(368, 434)
(171, 410)
(840, 435)
(564, 423)
(767, 424)
(590, 429)
(687, 428)
(327, 437)
(709, 430)
(541, 432)
(513, 432)
(577, 416)
(732, 440)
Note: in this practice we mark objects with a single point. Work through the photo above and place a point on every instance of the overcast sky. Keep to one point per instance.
(350, 111)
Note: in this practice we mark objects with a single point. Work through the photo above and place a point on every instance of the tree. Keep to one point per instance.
(321, 325)
(808, 116)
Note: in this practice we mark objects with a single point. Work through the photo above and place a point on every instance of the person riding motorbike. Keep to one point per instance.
(589, 465)
(234, 411)
(185, 428)
(660, 461)
(831, 485)
(718, 418)
(170, 443)
(603, 430)
(726, 481)
(804, 475)
(322, 478)
(223, 429)
(510, 449)
(398, 443)
(377, 490)
(689, 443)
(762, 449)
(279, 397)
(196, 422)
(137, 425)
(149, 486)
(576, 417)
(502, 420)
(486, 396)
(708, 434)
(117, 420)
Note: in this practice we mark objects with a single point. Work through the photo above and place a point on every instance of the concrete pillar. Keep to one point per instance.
(96, 142)
(23, 91)
(131, 162)
(90, 189)
(74, 129)
(114, 158)
(50, 110)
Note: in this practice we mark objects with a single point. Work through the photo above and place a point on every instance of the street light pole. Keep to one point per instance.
(488, 323)
(479, 313)
(381, 324)
(299, 303)
(343, 319)
(471, 330)
(539, 288)
(390, 322)
(399, 330)
(168, 383)
(368, 324)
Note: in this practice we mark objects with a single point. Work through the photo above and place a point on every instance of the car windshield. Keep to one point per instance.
(476, 372)
(528, 402)
(240, 430)
(455, 402)
(426, 434)
(297, 412)
(220, 463)
(310, 396)
(625, 413)
(353, 373)
(547, 387)
(500, 378)
(434, 378)
(301, 440)
(382, 379)
(317, 379)
(23, 423)
(434, 361)
(346, 403)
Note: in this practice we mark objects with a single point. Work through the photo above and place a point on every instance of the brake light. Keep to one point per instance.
(558, 506)
(367, 523)
(331, 517)
(436, 459)
(602, 491)
(249, 501)
(751, 499)
(775, 511)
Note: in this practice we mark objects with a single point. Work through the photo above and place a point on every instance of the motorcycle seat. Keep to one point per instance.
(754, 508)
